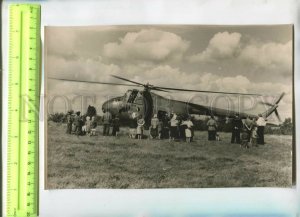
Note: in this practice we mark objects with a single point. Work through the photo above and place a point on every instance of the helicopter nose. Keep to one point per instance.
(112, 106)
(106, 106)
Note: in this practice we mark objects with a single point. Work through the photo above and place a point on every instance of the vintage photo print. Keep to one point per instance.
(169, 106)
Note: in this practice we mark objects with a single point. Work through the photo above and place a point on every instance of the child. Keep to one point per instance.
(88, 124)
(245, 137)
(140, 127)
(218, 137)
(254, 137)
(93, 126)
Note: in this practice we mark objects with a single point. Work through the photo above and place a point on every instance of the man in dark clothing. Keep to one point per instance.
(237, 126)
(106, 123)
(69, 123)
(78, 124)
(261, 123)
(115, 126)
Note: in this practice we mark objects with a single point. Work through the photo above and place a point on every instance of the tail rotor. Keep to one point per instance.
(273, 108)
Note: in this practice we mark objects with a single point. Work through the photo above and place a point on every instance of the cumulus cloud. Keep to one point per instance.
(265, 56)
(152, 55)
(147, 45)
(269, 55)
(222, 45)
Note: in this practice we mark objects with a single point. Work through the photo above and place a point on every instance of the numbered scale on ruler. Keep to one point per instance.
(23, 107)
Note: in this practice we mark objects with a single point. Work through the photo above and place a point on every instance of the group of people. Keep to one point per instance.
(110, 122)
(249, 132)
(172, 127)
(162, 126)
(81, 125)
(85, 125)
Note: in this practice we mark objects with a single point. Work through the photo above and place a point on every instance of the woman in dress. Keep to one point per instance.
(140, 127)
(174, 127)
(188, 130)
(88, 125)
(93, 126)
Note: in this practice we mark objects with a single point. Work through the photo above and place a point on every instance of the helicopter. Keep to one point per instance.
(145, 103)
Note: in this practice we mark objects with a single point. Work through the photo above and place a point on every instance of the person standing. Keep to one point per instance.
(78, 124)
(165, 134)
(132, 125)
(153, 130)
(159, 128)
(248, 124)
(261, 123)
(188, 130)
(140, 127)
(174, 127)
(211, 128)
(253, 140)
(69, 123)
(245, 137)
(237, 126)
(93, 126)
(115, 126)
(106, 122)
(88, 125)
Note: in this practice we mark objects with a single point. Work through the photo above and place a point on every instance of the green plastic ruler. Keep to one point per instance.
(23, 107)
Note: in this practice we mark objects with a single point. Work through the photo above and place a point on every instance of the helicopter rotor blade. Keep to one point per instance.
(266, 103)
(124, 79)
(205, 91)
(277, 115)
(280, 97)
(94, 82)
(153, 87)
(158, 89)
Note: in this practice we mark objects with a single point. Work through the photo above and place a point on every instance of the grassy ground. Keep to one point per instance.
(108, 162)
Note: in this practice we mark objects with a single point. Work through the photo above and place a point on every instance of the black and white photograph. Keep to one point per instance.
(169, 106)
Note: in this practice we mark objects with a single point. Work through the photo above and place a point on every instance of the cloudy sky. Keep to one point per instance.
(246, 59)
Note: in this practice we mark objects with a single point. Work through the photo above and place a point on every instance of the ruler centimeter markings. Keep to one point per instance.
(23, 107)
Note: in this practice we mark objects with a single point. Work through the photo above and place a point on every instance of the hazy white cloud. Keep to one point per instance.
(61, 43)
(81, 69)
(269, 55)
(147, 45)
(222, 45)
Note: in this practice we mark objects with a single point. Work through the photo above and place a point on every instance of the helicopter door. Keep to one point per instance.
(132, 96)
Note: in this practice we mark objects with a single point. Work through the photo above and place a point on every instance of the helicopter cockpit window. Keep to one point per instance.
(131, 95)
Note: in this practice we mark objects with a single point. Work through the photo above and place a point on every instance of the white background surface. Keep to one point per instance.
(162, 202)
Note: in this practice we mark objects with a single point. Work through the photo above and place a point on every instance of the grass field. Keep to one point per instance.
(108, 162)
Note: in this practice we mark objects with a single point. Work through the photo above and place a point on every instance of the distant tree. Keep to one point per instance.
(91, 111)
(287, 127)
(57, 117)
(71, 112)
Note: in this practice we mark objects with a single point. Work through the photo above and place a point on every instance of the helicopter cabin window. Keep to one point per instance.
(131, 95)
